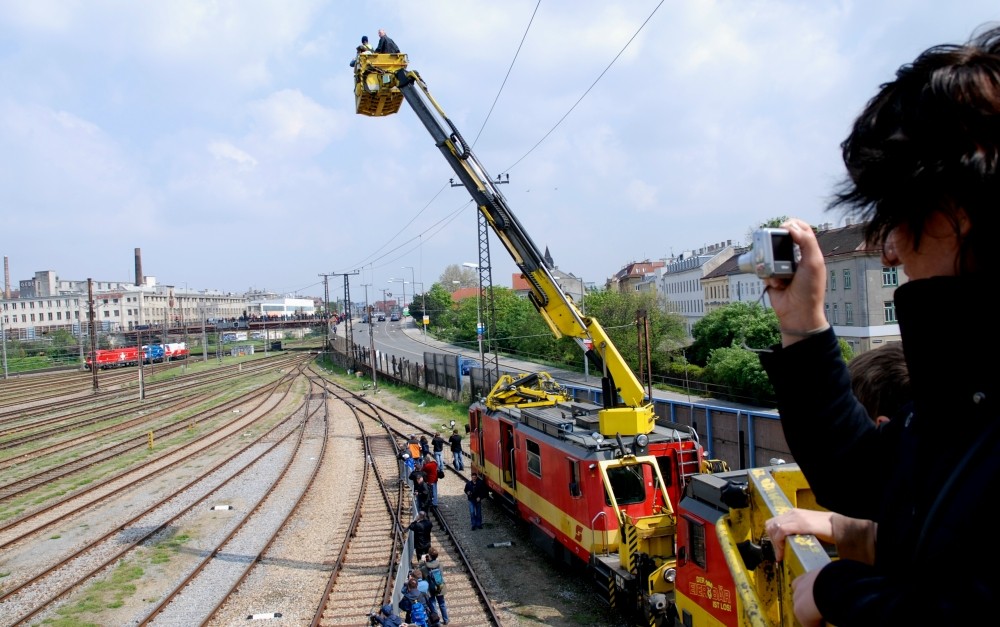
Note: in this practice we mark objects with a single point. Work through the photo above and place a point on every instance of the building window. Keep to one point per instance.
(889, 309)
(833, 280)
(836, 319)
(848, 313)
(847, 279)
(890, 277)
(534, 458)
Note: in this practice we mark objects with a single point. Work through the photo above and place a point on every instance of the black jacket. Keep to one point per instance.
(927, 479)
(386, 45)
(421, 532)
(476, 490)
(456, 443)
(438, 444)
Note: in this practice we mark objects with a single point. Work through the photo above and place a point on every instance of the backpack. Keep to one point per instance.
(435, 580)
(405, 605)
(418, 614)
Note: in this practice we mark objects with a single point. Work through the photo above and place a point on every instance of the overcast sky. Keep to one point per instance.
(220, 137)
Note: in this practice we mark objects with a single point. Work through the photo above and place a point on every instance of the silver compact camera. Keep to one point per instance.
(772, 255)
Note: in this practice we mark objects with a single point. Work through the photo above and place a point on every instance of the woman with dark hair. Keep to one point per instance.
(922, 162)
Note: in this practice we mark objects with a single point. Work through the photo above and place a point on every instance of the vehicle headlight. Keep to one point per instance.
(642, 440)
(669, 575)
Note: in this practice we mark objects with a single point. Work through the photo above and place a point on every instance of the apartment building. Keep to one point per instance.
(681, 281)
(860, 290)
(47, 303)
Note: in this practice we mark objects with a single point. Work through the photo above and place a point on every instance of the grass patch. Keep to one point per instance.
(163, 551)
(433, 405)
(101, 595)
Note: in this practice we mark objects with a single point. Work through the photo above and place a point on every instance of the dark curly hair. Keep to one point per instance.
(930, 141)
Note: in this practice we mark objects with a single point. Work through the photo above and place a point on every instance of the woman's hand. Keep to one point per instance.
(798, 521)
(799, 302)
(804, 603)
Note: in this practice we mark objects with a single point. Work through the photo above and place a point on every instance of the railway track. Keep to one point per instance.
(293, 506)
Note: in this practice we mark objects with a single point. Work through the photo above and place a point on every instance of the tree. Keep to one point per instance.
(440, 307)
(617, 311)
(466, 277)
(772, 223)
(739, 369)
(738, 322)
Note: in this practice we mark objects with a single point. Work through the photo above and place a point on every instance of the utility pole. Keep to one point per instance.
(204, 335)
(3, 337)
(326, 308)
(93, 332)
(348, 319)
(371, 339)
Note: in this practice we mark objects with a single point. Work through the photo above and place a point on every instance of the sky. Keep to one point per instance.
(220, 137)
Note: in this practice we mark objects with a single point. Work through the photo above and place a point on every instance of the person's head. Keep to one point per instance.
(361, 48)
(419, 478)
(417, 574)
(433, 554)
(381, 32)
(923, 159)
(364, 39)
(881, 381)
(454, 431)
(411, 583)
(428, 459)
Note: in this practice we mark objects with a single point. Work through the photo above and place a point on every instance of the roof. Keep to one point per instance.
(464, 292)
(848, 239)
(518, 283)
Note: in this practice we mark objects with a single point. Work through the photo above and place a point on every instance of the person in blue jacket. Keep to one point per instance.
(923, 163)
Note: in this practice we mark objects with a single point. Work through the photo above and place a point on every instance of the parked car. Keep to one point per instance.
(466, 364)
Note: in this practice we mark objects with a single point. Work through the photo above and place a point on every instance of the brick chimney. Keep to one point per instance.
(138, 266)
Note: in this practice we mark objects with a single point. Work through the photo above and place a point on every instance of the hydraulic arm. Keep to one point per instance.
(626, 408)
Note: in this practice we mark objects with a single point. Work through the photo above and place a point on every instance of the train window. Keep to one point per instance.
(574, 478)
(696, 542)
(666, 465)
(627, 484)
(534, 458)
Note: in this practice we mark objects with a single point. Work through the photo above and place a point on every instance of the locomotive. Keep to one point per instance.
(604, 504)
(108, 358)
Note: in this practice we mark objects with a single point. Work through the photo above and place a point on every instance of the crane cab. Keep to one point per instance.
(375, 90)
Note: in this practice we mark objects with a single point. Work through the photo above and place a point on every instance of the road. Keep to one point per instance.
(405, 339)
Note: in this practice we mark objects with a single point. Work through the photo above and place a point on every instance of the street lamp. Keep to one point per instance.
(413, 282)
(479, 312)
(403, 281)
